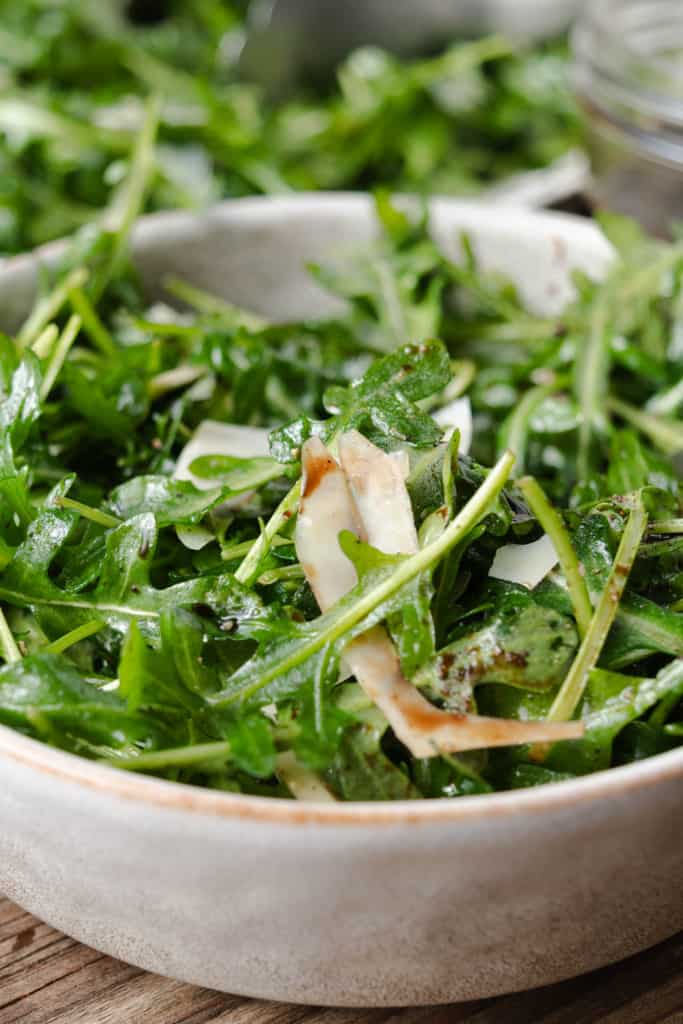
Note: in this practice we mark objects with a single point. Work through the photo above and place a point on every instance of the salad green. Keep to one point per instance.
(261, 558)
(74, 76)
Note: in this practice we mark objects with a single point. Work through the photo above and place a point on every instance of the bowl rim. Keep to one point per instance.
(29, 754)
(148, 791)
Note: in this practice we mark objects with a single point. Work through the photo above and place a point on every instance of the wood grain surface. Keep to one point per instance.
(46, 978)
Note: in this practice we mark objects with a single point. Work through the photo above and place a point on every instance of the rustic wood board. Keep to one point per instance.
(46, 978)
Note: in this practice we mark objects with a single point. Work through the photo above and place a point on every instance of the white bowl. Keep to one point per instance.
(343, 904)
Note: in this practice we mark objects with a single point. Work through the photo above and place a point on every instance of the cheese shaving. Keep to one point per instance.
(525, 564)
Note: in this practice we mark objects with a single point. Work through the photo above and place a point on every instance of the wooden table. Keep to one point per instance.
(46, 978)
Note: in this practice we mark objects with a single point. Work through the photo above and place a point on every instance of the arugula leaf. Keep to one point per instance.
(123, 591)
(252, 746)
(236, 474)
(44, 695)
(361, 771)
(20, 406)
(612, 701)
(522, 645)
(170, 501)
(381, 404)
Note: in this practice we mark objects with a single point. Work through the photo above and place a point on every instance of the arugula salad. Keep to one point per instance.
(426, 548)
(74, 75)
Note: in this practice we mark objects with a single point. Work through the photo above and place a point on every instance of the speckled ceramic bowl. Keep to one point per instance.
(347, 904)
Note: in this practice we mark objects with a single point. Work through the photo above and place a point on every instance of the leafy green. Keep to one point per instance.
(75, 75)
(171, 501)
(169, 629)
(523, 644)
(382, 404)
(44, 695)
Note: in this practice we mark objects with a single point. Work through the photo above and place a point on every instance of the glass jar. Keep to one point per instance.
(628, 77)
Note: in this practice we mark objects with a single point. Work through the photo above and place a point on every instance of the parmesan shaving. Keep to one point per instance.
(371, 488)
(377, 483)
(525, 564)
(302, 783)
(214, 438)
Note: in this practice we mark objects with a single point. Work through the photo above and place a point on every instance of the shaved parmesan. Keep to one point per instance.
(326, 508)
(194, 538)
(401, 460)
(301, 782)
(214, 438)
(377, 483)
(457, 415)
(369, 485)
(526, 564)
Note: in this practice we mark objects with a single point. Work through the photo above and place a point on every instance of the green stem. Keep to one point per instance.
(665, 707)
(92, 324)
(592, 370)
(519, 329)
(466, 520)
(466, 57)
(131, 611)
(170, 380)
(666, 434)
(47, 308)
(59, 354)
(128, 203)
(176, 757)
(287, 572)
(666, 526)
(236, 551)
(42, 346)
(249, 567)
(552, 523)
(166, 330)
(74, 636)
(571, 691)
(517, 428)
(8, 645)
(205, 302)
(95, 514)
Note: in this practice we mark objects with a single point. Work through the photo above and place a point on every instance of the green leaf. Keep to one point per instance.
(594, 639)
(170, 501)
(235, 474)
(522, 645)
(113, 406)
(359, 773)
(320, 723)
(123, 591)
(183, 640)
(382, 404)
(20, 406)
(410, 625)
(610, 703)
(252, 746)
(449, 777)
(148, 678)
(46, 696)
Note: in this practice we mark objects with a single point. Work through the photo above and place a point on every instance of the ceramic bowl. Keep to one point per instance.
(342, 904)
